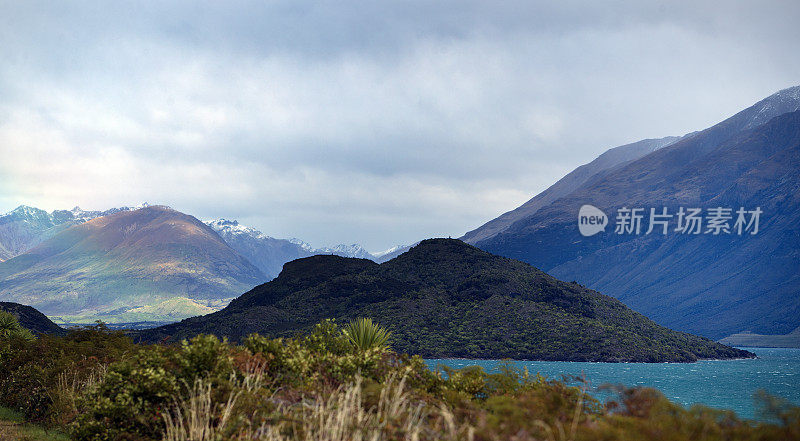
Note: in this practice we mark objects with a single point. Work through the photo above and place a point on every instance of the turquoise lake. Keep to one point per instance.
(728, 384)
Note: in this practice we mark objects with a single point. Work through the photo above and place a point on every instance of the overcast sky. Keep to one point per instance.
(371, 122)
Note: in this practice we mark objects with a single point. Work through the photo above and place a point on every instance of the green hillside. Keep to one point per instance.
(445, 298)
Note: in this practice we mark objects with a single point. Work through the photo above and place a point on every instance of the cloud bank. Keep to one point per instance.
(360, 122)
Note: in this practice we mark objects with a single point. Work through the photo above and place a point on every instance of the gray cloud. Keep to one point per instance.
(360, 122)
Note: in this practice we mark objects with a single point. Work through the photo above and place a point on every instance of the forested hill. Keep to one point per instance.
(31, 319)
(444, 298)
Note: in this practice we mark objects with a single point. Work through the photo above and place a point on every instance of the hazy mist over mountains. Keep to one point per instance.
(290, 121)
(63, 262)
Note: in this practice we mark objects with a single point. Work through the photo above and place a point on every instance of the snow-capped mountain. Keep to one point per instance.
(234, 228)
(25, 227)
(391, 253)
(269, 254)
(80, 215)
(303, 244)
(354, 250)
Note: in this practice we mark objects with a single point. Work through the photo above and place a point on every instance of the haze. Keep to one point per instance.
(343, 122)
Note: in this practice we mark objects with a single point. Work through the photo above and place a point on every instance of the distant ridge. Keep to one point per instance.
(269, 254)
(748, 339)
(609, 160)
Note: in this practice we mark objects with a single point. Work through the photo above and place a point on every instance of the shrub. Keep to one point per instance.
(10, 327)
(137, 392)
(366, 335)
(38, 376)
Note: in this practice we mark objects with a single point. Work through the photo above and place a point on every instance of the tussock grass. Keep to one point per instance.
(343, 416)
(364, 334)
(198, 417)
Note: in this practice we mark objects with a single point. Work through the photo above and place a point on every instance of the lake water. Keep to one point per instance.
(728, 384)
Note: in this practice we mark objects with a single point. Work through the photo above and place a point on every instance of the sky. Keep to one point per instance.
(379, 123)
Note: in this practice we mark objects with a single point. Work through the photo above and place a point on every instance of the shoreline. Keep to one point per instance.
(596, 362)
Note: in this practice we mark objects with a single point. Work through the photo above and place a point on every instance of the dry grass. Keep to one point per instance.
(342, 416)
(253, 374)
(69, 386)
(198, 417)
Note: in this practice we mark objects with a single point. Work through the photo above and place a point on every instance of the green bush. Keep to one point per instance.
(137, 391)
(365, 335)
(42, 377)
(10, 327)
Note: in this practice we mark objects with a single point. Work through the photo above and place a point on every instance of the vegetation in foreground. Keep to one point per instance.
(96, 384)
(13, 428)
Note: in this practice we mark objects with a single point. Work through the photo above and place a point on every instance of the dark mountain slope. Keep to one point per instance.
(609, 160)
(32, 319)
(711, 285)
(444, 298)
(153, 263)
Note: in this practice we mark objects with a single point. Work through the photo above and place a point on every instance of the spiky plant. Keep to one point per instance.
(364, 334)
(9, 326)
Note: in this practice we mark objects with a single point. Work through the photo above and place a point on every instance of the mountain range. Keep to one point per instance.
(25, 227)
(269, 254)
(141, 264)
(712, 285)
(146, 269)
(444, 298)
(134, 265)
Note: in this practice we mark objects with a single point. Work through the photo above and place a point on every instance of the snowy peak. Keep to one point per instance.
(783, 101)
(302, 244)
(234, 228)
(233, 233)
(789, 94)
(354, 250)
(25, 212)
(389, 251)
